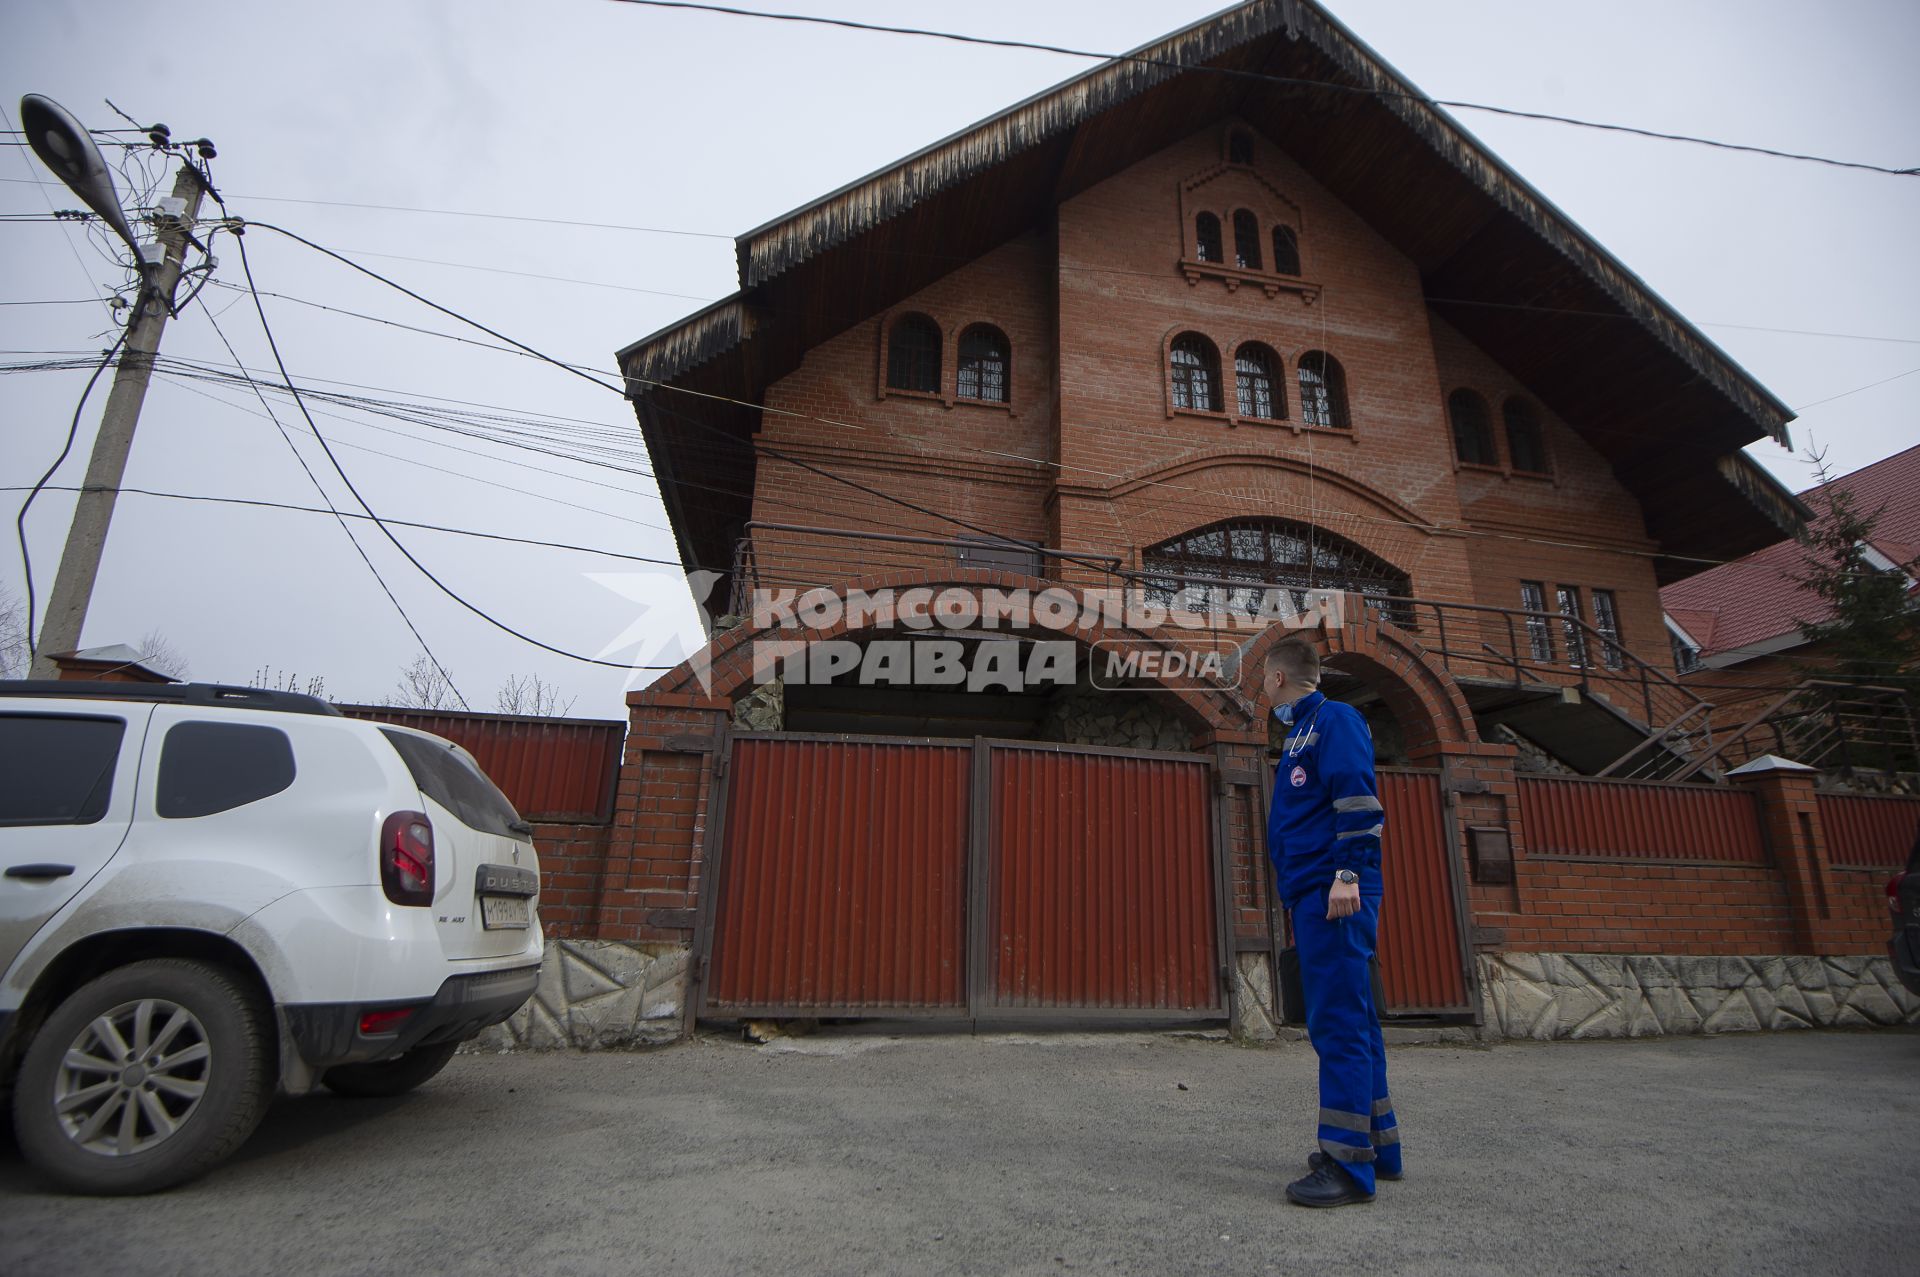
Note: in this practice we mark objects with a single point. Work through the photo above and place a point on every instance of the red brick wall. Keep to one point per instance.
(1090, 305)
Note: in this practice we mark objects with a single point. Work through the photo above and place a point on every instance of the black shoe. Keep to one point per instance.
(1327, 1186)
(1317, 1159)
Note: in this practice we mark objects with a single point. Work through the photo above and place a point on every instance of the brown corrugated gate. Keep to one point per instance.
(1424, 964)
(861, 876)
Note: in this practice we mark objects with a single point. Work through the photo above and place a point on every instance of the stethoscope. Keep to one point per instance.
(1302, 733)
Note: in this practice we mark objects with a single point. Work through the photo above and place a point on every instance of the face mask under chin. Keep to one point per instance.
(1284, 713)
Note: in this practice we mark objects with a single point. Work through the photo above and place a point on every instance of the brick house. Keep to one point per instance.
(1738, 639)
(1237, 313)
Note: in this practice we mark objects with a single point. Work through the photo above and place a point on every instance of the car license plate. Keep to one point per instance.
(502, 913)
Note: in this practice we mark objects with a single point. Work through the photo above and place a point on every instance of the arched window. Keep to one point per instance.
(1196, 373)
(1246, 240)
(1265, 553)
(1323, 391)
(1239, 147)
(913, 354)
(1256, 384)
(1206, 238)
(1472, 429)
(983, 364)
(1286, 250)
(1526, 444)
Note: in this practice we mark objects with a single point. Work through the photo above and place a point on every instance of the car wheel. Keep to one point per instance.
(144, 1078)
(389, 1077)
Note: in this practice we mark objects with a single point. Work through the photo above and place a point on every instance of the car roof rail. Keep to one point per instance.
(210, 695)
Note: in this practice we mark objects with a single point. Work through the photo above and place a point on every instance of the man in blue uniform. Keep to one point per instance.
(1323, 833)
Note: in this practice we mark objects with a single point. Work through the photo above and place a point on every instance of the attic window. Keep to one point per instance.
(1286, 250)
(1246, 240)
(1239, 147)
(1472, 430)
(983, 364)
(913, 355)
(1206, 238)
(1526, 448)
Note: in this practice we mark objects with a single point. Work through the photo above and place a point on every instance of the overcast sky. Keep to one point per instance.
(590, 111)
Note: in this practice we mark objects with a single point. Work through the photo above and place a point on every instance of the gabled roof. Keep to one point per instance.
(1756, 600)
(1506, 267)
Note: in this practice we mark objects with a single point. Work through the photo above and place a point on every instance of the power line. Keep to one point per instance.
(274, 346)
(73, 430)
(344, 528)
(1234, 73)
(264, 504)
(397, 543)
(1857, 389)
(497, 217)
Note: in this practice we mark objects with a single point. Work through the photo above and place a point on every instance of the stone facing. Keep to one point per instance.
(1545, 996)
(599, 995)
(1255, 1019)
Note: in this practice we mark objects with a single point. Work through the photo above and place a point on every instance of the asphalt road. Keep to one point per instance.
(853, 1151)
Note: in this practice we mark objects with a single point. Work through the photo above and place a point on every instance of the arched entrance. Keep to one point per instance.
(1415, 711)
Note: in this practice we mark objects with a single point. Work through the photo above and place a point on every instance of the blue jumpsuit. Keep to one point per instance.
(1326, 816)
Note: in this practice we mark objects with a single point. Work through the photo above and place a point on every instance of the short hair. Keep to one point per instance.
(1297, 658)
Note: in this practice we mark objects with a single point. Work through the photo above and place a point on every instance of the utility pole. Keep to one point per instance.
(80, 562)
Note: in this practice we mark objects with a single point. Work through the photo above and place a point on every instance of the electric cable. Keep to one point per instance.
(259, 306)
(1235, 73)
(73, 431)
(353, 540)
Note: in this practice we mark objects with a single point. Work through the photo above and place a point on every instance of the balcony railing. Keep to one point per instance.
(1686, 734)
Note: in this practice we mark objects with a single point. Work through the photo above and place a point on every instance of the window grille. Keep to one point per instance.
(1256, 388)
(1323, 391)
(1196, 373)
(1568, 598)
(1267, 554)
(1606, 619)
(983, 365)
(1206, 236)
(1533, 598)
(1246, 240)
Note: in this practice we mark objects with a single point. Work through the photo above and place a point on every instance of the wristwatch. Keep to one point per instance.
(1346, 876)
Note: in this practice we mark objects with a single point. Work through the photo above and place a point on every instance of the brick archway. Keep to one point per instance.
(725, 669)
(1431, 709)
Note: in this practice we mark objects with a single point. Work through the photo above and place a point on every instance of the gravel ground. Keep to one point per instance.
(893, 1150)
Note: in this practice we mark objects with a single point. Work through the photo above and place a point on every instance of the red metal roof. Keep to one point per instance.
(1756, 598)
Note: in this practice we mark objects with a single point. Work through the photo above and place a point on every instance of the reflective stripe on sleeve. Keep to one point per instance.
(1360, 802)
(1371, 832)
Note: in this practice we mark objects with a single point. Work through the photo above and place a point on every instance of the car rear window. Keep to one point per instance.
(59, 769)
(446, 776)
(214, 767)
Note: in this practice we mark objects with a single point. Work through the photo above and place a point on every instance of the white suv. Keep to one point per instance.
(209, 891)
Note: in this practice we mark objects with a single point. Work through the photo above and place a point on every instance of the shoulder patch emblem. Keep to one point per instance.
(1298, 777)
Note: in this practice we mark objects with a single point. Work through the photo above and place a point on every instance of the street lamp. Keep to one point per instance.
(64, 146)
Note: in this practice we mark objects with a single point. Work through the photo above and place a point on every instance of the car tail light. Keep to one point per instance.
(406, 858)
(1893, 891)
(375, 1023)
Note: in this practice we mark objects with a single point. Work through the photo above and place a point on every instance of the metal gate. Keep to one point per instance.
(1425, 965)
(877, 876)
